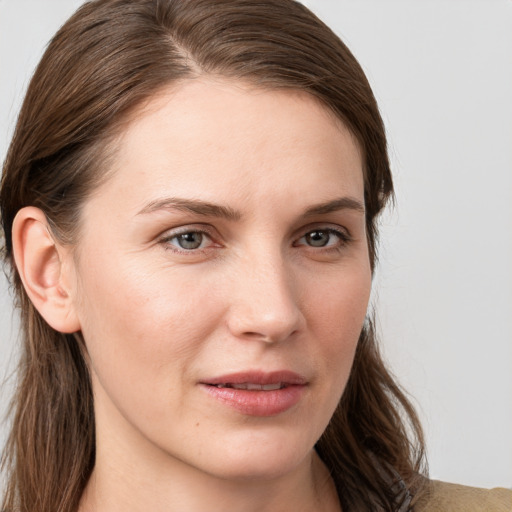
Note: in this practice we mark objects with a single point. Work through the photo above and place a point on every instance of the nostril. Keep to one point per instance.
(268, 338)
(258, 336)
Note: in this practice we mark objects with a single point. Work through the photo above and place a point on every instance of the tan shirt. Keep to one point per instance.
(445, 497)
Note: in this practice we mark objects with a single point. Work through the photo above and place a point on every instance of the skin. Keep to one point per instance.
(260, 292)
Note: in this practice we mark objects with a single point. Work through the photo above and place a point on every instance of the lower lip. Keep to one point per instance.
(258, 403)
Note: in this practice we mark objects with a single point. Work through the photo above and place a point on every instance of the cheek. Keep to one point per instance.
(139, 324)
(339, 306)
(337, 316)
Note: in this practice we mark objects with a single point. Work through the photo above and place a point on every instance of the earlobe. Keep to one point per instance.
(39, 261)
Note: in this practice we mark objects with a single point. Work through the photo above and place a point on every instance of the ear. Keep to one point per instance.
(43, 266)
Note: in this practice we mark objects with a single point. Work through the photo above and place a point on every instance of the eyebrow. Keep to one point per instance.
(207, 209)
(198, 207)
(342, 203)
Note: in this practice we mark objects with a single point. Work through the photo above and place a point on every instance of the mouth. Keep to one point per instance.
(251, 386)
(257, 380)
(257, 393)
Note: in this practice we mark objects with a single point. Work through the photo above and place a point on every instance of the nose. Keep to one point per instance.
(264, 301)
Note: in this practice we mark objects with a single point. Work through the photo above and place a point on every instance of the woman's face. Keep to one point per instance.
(223, 279)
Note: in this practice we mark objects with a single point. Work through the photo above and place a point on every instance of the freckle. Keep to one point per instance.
(197, 424)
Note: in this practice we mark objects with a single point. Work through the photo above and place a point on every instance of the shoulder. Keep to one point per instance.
(442, 496)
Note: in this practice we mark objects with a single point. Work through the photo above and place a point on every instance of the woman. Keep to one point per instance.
(189, 205)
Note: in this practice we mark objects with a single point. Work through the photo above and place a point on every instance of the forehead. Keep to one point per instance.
(225, 140)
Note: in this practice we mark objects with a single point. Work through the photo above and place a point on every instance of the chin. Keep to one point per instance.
(260, 457)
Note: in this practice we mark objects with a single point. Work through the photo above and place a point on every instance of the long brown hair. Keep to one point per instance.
(107, 59)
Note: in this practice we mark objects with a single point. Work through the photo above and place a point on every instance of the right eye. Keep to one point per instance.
(187, 241)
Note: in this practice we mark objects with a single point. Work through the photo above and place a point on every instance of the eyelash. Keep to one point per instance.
(343, 237)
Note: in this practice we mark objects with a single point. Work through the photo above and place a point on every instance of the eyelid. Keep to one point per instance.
(188, 228)
(342, 231)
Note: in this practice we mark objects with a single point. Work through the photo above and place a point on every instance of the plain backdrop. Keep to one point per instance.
(442, 74)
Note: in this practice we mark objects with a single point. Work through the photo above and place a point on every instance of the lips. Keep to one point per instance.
(257, 393)
(251, 386)
(282, 377)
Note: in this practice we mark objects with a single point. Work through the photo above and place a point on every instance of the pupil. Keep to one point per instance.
(317, 238)
(190, 240)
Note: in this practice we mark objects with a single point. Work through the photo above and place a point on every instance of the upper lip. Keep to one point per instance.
(259, 377)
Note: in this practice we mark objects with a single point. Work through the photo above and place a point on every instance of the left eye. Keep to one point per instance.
(321, 238)
(189, 241)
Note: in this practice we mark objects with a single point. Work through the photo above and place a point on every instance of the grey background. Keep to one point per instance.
(442, 73)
